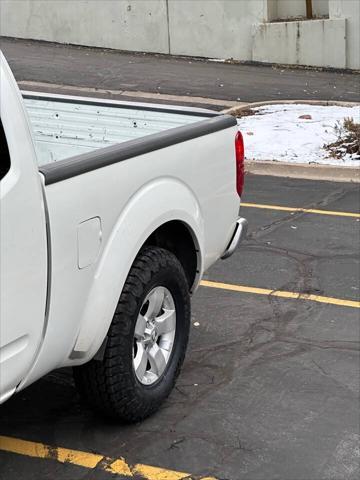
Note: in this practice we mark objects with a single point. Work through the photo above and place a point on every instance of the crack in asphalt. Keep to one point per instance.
(331, 197)
(275, 327)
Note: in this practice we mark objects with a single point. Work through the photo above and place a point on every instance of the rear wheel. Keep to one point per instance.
(146, 342)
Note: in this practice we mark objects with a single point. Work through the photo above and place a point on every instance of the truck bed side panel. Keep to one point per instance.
(192, 181)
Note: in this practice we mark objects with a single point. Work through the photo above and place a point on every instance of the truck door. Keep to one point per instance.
(23, 244)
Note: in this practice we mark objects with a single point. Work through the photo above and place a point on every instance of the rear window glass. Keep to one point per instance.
(4, 153)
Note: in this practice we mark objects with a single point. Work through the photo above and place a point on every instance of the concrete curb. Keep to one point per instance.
(236, 109)
(143, 96)
(303, 170)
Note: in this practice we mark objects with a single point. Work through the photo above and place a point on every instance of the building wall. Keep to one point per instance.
(237, 29)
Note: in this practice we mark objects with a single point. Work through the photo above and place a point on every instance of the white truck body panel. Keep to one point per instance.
(101, 206)
(23, 266)
(83, 301)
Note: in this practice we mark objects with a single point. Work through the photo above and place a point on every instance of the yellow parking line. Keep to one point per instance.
(281, 294)
(304, 210)
(115, 466)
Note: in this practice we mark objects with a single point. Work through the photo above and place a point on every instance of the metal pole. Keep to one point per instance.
(309, 10)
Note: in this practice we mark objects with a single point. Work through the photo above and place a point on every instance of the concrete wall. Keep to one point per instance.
(297, 8)
(293, 43)
(237, 29)
(214, 28)
(349, 9)
(333, 42)
(207, 28)
(127, 25)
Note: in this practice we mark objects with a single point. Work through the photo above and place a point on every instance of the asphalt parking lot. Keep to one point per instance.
(47, 66)
(270, 387)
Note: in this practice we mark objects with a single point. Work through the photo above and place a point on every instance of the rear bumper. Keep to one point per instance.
(238, 236)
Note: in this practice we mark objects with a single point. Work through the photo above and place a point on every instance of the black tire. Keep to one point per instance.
(110, 385)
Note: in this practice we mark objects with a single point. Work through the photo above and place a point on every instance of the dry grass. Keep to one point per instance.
(348, 140)
(246, 112)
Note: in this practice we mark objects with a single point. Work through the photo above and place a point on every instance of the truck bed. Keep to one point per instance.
(64, 127)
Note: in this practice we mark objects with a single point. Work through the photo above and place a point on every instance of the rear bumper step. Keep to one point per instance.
(239, 235)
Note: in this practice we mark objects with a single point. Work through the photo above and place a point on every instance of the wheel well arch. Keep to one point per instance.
(178, 238)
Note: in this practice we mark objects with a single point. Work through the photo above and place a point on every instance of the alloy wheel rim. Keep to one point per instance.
(154, 335)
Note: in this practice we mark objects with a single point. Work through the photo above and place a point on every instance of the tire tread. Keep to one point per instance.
(108, 385)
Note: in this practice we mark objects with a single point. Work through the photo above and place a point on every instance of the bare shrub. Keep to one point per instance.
(347, 142)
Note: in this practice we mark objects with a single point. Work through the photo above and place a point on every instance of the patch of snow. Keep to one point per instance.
(277, 133)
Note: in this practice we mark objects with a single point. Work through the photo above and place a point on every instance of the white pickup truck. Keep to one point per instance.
(110, 214)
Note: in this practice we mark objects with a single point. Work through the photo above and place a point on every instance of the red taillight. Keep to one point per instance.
(240, 158)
